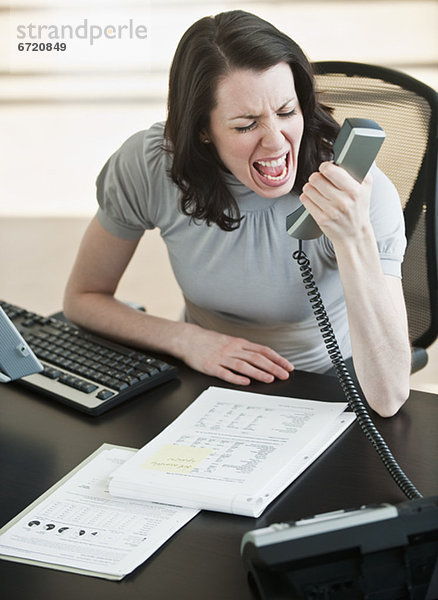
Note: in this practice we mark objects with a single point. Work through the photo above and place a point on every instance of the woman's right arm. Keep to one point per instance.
(89, 301)
(89, 296)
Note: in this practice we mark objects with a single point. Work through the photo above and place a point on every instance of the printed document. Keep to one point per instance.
(231, 451)
(79, 527)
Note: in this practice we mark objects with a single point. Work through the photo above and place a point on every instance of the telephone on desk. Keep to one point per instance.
(383, 552)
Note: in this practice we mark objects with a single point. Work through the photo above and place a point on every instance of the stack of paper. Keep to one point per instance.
(231, 451)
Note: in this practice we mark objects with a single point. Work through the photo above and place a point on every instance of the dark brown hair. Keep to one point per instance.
(211, 48)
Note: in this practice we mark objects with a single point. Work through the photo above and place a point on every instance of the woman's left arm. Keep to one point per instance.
(375, 303)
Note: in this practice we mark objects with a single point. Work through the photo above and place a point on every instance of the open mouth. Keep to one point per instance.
(273, 170)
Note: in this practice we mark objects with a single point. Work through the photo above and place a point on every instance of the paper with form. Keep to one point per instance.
(231, 451)
(79, 527)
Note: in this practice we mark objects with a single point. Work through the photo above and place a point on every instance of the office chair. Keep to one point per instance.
(407, 110)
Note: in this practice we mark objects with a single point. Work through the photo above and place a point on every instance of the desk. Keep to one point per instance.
(40, 441)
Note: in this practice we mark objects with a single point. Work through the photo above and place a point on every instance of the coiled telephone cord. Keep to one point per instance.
(354, 400)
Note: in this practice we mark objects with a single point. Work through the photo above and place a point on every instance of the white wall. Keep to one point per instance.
(63, 113)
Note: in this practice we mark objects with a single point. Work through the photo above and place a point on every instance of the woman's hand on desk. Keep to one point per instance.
(232, 359)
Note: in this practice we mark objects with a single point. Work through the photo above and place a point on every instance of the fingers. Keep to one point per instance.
(230, 376)
(337, 176)
(258, 362)
(331, 183)
(233, 359)
(240, 361)
(244, 369)
(340, 178)
(338, 202)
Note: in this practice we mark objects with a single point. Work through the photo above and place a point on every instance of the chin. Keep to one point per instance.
(275, 192)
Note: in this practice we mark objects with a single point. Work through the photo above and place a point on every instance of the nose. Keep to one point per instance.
(272, 138)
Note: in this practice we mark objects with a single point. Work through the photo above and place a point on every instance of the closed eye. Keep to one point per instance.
(283, 115)
(246, 127)
(290, 113)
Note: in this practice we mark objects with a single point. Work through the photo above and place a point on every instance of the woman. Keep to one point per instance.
(245, 142)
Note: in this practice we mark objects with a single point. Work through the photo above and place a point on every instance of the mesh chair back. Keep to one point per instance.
(407, 110)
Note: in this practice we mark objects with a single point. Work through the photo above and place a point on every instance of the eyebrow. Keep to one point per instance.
(258, 116)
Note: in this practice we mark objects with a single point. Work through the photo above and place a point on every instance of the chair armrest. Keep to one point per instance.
(419, 359)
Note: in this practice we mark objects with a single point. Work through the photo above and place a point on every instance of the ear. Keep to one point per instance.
(203, 136)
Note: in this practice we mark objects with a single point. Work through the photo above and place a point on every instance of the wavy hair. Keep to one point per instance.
(211, 48)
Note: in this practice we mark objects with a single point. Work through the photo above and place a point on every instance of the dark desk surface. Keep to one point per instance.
(40, 441)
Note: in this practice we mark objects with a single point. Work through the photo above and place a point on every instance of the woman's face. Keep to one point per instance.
(257, 126)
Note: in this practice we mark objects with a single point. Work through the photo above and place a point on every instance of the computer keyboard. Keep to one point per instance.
(81, 369)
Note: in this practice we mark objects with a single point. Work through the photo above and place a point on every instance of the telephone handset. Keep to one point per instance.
(355, 149)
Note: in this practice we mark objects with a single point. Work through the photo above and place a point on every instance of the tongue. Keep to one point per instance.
(271, 171)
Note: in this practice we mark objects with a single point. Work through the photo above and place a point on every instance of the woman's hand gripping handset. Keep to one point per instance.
(89, 301)
(338, 203)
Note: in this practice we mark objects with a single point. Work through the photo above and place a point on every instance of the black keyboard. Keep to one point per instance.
(81, 369)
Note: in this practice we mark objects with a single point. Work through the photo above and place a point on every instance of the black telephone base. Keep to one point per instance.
(383, 552)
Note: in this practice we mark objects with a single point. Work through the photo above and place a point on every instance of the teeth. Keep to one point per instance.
(281, 176)
(272, 163)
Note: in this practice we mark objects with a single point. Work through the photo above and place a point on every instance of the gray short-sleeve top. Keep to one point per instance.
(245, 282)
